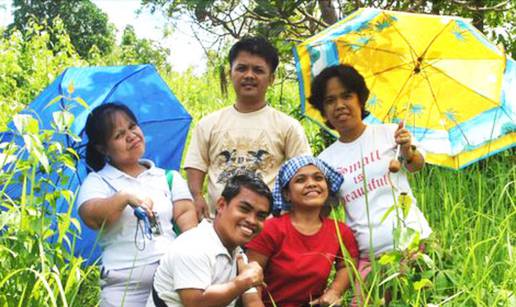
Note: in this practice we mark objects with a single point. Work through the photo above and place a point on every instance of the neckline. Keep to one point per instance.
(315, 234)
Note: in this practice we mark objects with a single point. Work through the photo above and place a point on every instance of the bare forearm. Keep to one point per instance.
(252, 300)
(341, 282)
(195, 179)
(184, 214)
(214, 295)
(98, 211)
(195, 184)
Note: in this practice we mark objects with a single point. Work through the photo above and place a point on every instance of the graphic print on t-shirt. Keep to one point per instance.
(355, 188)
(243, 154)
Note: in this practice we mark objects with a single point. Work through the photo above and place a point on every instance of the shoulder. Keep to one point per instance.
(380, 131)
(214, 117)
(333, 224)
(328, 152)
(282, 117)
(93, 180)
(386, 128)
(93, 186)
(192, 243)
(276, 225)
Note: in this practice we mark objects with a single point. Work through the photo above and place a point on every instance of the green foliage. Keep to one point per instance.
(138, 51)
(37, 271)
(28, 65)
(86, 24)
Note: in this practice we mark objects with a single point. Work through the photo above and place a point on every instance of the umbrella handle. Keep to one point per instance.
(395, 164)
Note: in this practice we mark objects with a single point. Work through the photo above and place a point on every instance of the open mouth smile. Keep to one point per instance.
(248, 231)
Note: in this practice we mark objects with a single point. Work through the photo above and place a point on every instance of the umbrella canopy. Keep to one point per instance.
(452, 87)
(160, 115)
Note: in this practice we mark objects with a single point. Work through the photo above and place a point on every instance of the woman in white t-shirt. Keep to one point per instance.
(121, 182)
(363, 154)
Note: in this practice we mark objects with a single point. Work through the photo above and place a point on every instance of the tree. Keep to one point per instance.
(291, 21)
(85, 23)
(136, 51)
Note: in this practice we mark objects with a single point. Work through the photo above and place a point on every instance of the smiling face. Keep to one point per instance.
(307, 188)
(125, 144)
(242, 218)
(251, 76)
(342, 107)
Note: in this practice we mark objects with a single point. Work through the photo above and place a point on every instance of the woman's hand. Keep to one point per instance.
(329, 298)
(403, 138)
(414, 161)
(134, 201)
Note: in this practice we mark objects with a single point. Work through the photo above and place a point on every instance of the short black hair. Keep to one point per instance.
(350, 78)
(99, 127)
(257, 46)
(250, 181)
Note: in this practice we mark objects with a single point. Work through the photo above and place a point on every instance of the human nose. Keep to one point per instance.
(130, 136)
(310, 182)
(340, 103)
(248, 73)
(252, 219)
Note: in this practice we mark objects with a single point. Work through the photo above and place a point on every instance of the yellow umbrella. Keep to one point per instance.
(453, 88)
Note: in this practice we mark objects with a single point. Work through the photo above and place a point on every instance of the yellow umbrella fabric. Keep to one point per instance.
(451, 85)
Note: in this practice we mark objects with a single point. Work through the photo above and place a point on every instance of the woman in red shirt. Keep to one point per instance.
(298, 249)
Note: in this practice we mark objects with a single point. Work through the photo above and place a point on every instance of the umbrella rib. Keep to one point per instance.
(438, 107)
(435, 38)
(389, 69)
(108, 96)
(365, 46)
(492, 132)
(163, 120)
(398, 95)
(412, 50)
(462, 85)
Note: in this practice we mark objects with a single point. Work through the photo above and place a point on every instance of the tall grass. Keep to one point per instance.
(473, 215)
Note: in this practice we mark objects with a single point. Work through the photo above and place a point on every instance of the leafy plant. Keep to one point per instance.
(36, 242)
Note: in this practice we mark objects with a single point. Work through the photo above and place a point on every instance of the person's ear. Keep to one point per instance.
(220, 204)
(286, 195)
(271, 78)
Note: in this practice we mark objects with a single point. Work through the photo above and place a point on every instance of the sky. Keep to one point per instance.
(185, 50)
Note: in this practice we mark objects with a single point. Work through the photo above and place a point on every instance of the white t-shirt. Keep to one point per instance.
(196, 260)
(227, 141)
(118, 242)
(377, 147)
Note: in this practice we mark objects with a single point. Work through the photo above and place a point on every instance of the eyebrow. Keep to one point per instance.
(310, 174)
(246, 204)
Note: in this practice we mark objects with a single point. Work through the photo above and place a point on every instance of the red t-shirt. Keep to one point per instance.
(299, 265)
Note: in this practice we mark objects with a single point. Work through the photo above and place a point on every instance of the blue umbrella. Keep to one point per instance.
(162, 118)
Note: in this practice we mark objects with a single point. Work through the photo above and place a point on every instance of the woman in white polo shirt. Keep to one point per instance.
(123, 181)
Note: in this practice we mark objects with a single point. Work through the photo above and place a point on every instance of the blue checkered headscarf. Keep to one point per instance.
(290, 168)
